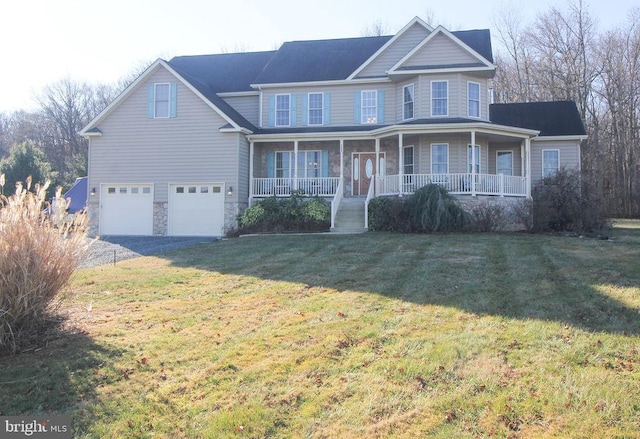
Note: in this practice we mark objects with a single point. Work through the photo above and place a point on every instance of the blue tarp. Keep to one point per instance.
(78, 195)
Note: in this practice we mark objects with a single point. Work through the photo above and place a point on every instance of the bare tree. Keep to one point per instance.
(376, 29)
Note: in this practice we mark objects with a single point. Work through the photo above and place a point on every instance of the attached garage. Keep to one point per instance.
(126, 209)
(196, 209)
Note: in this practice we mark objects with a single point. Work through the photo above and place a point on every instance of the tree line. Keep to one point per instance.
(560, 55)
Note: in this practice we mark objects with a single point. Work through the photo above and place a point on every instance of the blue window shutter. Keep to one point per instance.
(327, 109)
(150, 101)
(271, 162)
(380, 106)
(173, 102)
(356, 107)
(272, 110)
(325, 163)
(293, 109)
(305, 109)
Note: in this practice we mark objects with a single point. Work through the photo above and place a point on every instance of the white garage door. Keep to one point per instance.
(126, 209)
(196, 209)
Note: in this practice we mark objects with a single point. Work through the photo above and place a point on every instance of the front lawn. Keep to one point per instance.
(374, 335)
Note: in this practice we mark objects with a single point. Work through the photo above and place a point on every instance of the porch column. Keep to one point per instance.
(341, 161)
(473, 163)
(295, 165)
(522, 161)
(251, 152)
(527, 147)
(400, 164)
(375, 179)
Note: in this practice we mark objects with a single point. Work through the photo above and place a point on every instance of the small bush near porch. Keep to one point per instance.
(292, 214)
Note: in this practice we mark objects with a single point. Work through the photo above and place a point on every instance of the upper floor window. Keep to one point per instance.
(550, 162)
(407, 101)
(316, 105)
(439, 98)
(283, 110)
(161, 100)
(369, 106)
(473, 99)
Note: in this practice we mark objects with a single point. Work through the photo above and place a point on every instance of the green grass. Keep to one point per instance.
(378, 335)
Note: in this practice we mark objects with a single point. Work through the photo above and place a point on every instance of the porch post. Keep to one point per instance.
(527, 147)
(522, 161)
(400, 164)
(375, 179)
(251, 152)
(473, 163)
(341, 160)
(295, 165)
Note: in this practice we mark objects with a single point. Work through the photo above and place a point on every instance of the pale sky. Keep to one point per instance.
(44, 41)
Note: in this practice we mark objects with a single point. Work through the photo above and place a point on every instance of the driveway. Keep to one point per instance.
(108, 249)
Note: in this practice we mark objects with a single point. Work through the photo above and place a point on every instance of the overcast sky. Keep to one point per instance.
(44, 41)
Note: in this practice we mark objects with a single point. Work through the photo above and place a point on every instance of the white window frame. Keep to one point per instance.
(478, 160)
(433, 145)
(446, 98)
(371, 115)
(321, 109)
(498, 161)
(411, 102)
(405, 151)
(469, 100)
(544, 174)
(303, 171)
(157, 102)
(282, 111)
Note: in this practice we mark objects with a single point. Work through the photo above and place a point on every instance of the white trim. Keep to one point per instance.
(431, 98)
(510, 151)
(556, 138)
(309, 108)
(443, 70)
(542, 159)
(413, 101)
(431, 156)
(322, 83)
(441, 30)
(415, 20)
(478, 159)
(238, 94)
(479, 99)
(142, 78)
(275, 110)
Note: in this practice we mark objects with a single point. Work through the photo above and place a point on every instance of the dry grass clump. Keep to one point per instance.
(39, 251)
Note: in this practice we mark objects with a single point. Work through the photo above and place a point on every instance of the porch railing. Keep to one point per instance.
(335, 204)
(282, 187)
(460, 184)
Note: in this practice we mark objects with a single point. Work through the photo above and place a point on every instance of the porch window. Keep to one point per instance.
(369, 109)
(440, 158)
(309, 164)
(408, 160)
(473, 99)
(439, 98)
(504, 162)
(283, 110)
(550, 162)
(408, 93)
(470, 159)
(316, 105)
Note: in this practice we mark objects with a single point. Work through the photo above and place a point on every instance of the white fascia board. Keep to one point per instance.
(480, 127)
(452, 70)
(388, 43)
(236, 130)
(560, 138)
(289, 137)
(441, 30)
(134, 85)
(237, 94)
(321, 83)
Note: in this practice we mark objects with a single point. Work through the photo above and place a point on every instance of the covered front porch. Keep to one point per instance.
(395, 161)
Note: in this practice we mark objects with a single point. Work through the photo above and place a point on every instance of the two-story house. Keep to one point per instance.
(194, 140)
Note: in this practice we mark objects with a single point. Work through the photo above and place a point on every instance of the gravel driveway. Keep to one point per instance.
(101, 251)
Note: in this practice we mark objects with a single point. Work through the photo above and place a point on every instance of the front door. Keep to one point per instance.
(364, 168)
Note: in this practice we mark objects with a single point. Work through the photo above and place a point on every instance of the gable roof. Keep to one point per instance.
(560, 118)
(479, 40)
(319, 60)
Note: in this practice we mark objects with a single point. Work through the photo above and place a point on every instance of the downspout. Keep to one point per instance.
(377, 174)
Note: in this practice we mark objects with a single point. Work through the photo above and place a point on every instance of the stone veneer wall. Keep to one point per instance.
(92, 210)
(160, 219)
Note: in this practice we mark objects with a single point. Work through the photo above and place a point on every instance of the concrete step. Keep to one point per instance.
(350, 217)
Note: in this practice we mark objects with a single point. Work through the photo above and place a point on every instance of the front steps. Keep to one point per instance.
(350, 217)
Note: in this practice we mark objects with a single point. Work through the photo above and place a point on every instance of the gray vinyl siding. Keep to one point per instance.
(247, 106)
(569, 155)
(187, 148)
(458, 144)
(440, 50)
(243, 168)
(341, 101)
(395, 52)
(453, 94)
(517, 157)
